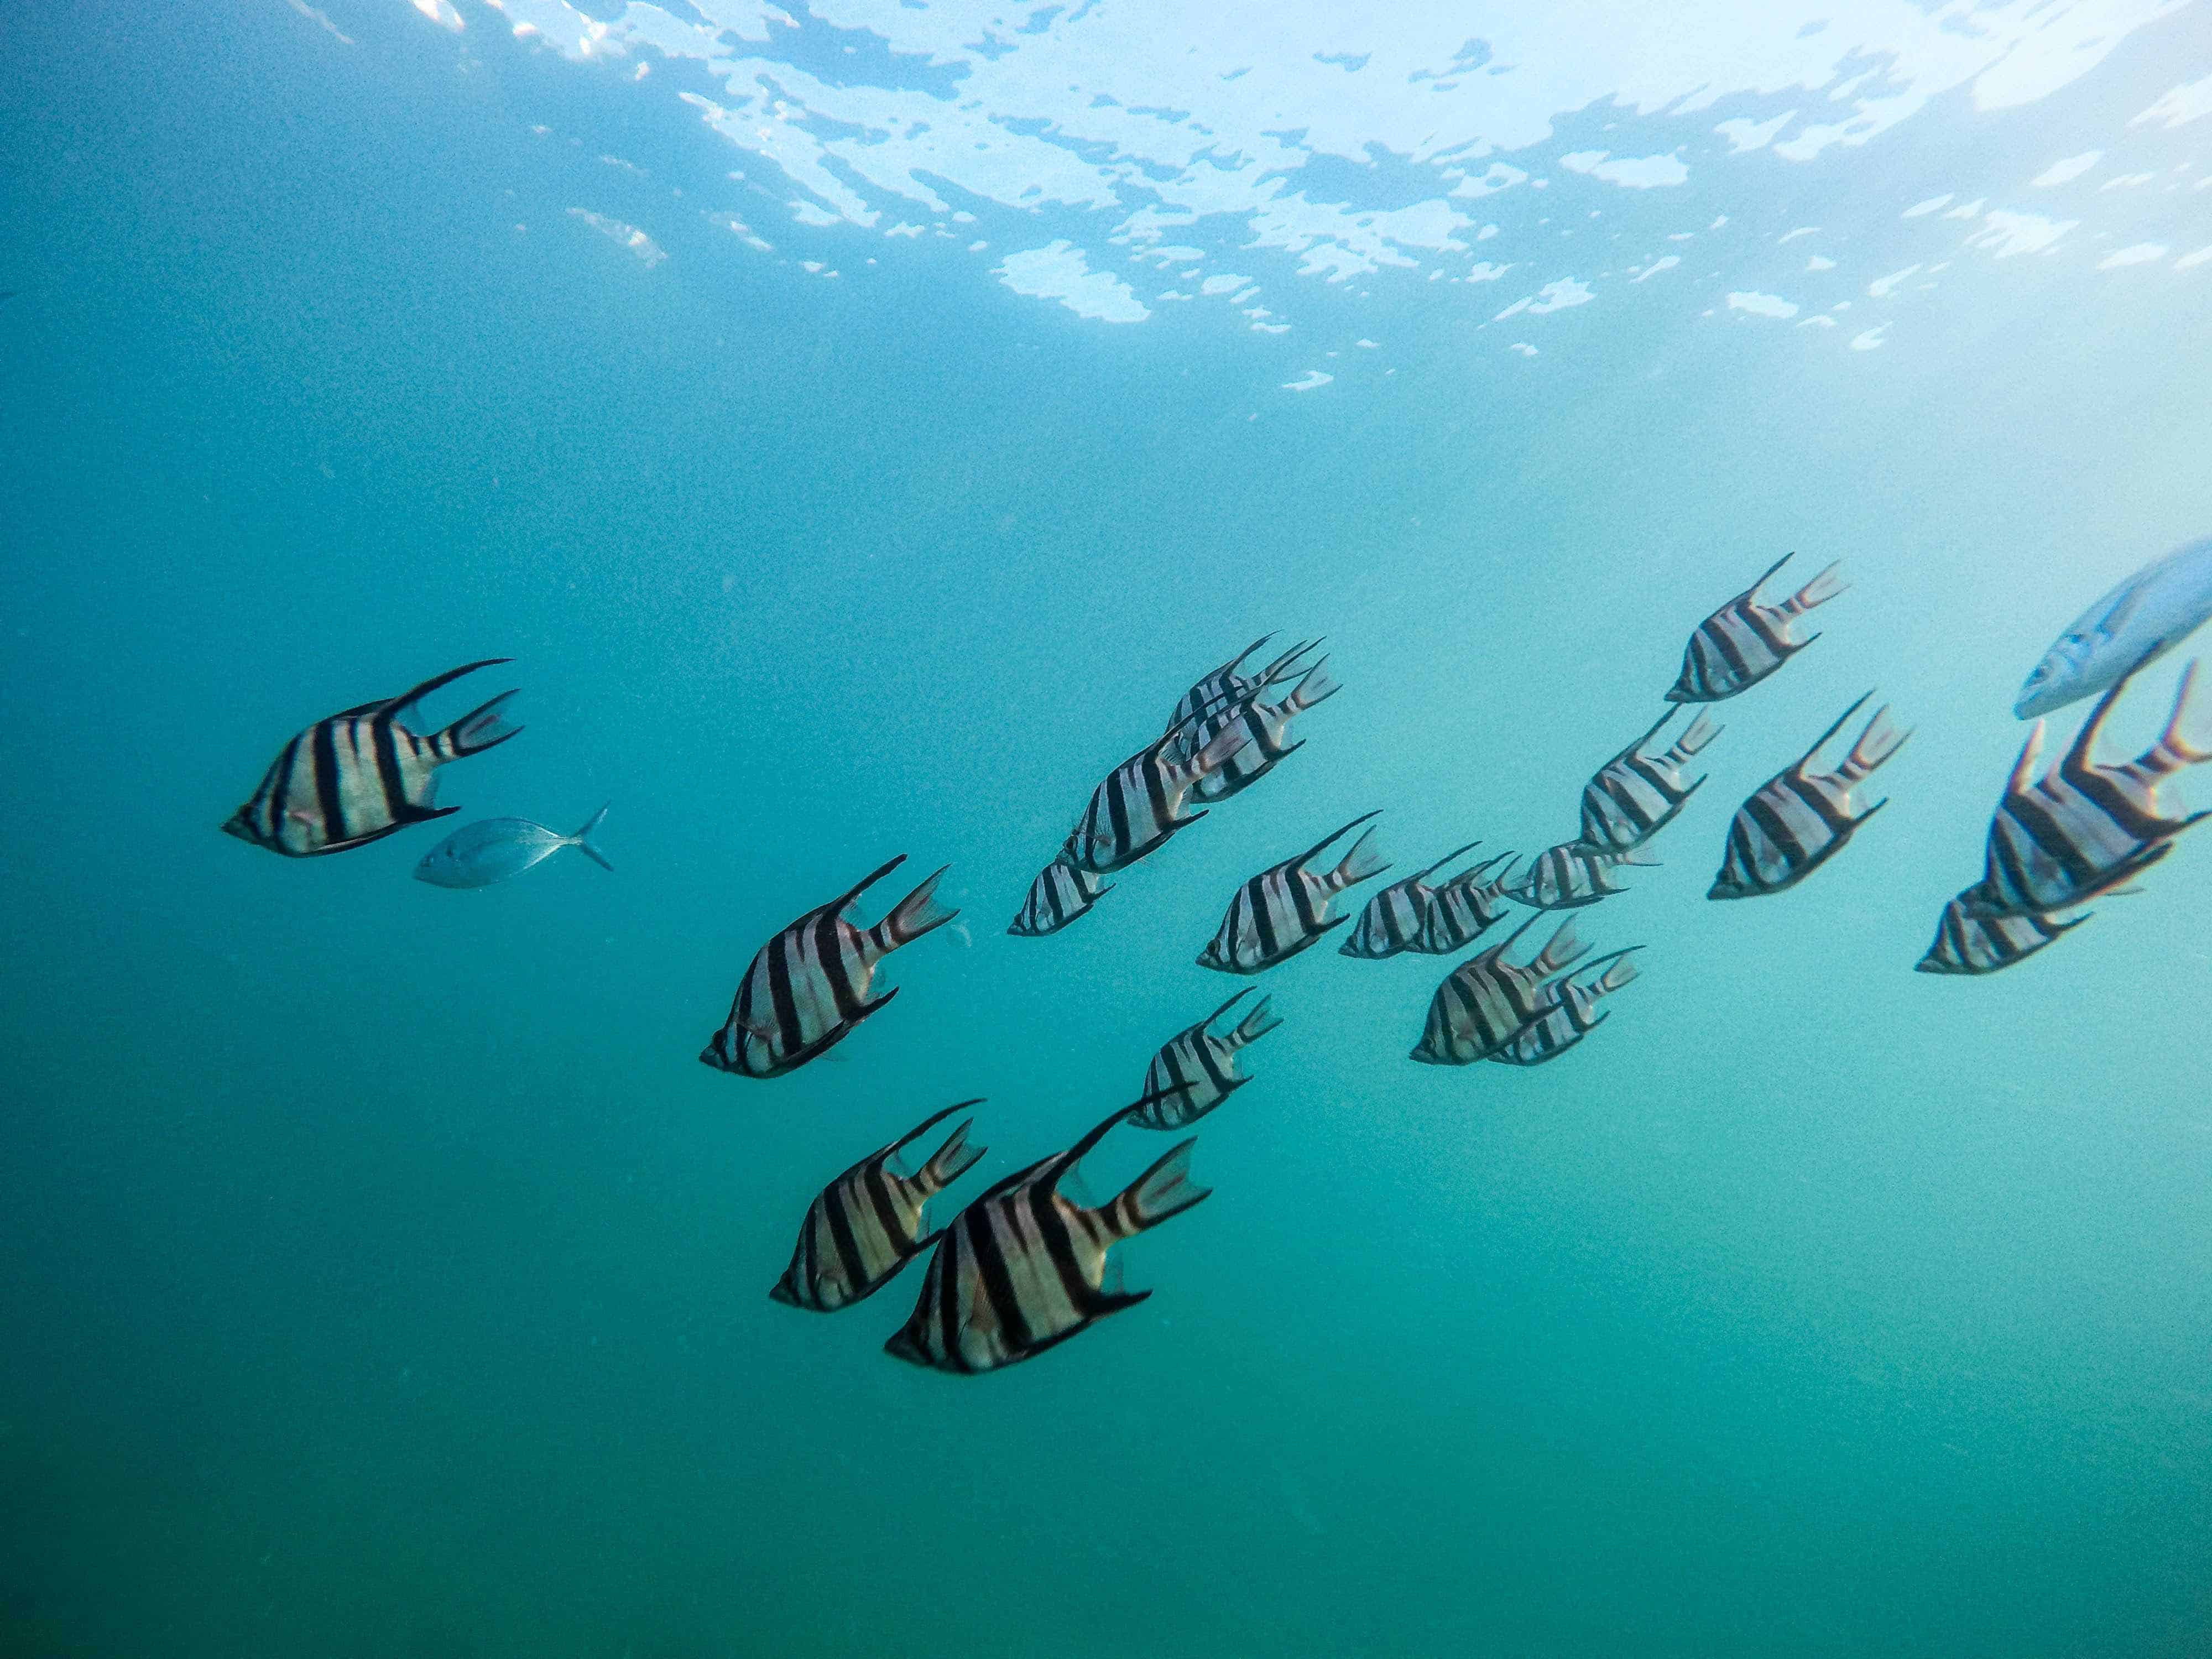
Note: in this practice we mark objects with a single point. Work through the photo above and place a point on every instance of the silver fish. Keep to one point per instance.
(492, 849)
(2142, 619)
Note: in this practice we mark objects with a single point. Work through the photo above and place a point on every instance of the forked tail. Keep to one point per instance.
(1254, 1026)
(1358, 865)
(1702, 731)
(2173, 751)
(949, 1161)
(1876, 744)
(917, 914)
(581, 841)
(1560, 950)
(1822, 588)
(474, 732)
(1163, 1191)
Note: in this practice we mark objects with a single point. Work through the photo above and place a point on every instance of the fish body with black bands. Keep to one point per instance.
(1285, 909)
(1394, 919)
(1141, 803)
(363, 773)
(807, 988)
(1196, 1069)
(1063, 892)
(1634, 795)
(1745, 641)
(872, 1220)
(1487, 1001)
(1801, 818)
(1025, 1268)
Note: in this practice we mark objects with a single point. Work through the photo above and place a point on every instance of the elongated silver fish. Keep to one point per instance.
(1799, 819)
(808, 987)
(2085, 826)
(492, 849)
(2139, 621)
(1196, 1070)
(869, 1223)
(1745, 641)
(362, 774)
(1025, 1267)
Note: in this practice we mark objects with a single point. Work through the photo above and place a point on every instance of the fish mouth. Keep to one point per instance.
(236, 825)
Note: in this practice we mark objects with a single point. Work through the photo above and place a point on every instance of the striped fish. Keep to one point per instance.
(1968, 944)
(1465, 906)
(1285, 909)
(1140, 803)
(808, 987)
(1224, 686)
(1486, 1002)
(1570, 1011)
(1570, 876)
(2082, 828)
(1197, 1069)
(1744, 642)
(1633, 795)
(868, 1223)
(363, 775)
(1063, 890)
(1395, 917)
(1799, 819)
(1025, 1267)
(1266, 727)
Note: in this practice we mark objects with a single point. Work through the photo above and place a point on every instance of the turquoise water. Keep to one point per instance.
(383, 1274)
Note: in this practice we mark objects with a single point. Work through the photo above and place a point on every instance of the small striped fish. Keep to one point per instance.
(363, 775)
(1266, 727)
(1224, 686)
(1744, 642)
(2082, 828)
(1285, 909)
(1025, 1266)
(1395, 917)
(1063, 890)
(869, 1222)
(1968, 944)
(1797, 820)
(1570, 876)
(1633, 795)
(1464, 908)
(1486, 1002)
(1570, 1011)
(808, 987)
(1140, 803)
(1197, 1070)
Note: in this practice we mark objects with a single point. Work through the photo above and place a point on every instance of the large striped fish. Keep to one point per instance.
(2082, 828)
(1570, 1011)
(870, 1222)
(1395, 919)
(1967, 943)
(1196, 1070)
(360, 776)
(1634, 795)
(1285, 909)
(1063, 890)
(808, 987)
(1572, 875)
(1799, 819)
(1744, 642)
(1266, 727)
(1025, 1267)
(1141, 803)
(1486, 1002)
(1464, 908)
(1224, 686)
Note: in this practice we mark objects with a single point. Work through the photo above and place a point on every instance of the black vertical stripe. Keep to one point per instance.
(396, 806)
(781, 998)
(998, 1283)
(840, 1236)
(328, 797)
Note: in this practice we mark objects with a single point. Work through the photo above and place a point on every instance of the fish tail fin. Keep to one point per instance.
(474, 732)
(581, 841)
(1822, 588)
(2173, 751)
(950, 1162)
(1254, 1024)
(917, 914)
(1702, 731)
(1560, 950)
(1314, 686)
(1222, 748)
(1880, 739)
(1163, 1191)
(1616, 970)
(1362, 862)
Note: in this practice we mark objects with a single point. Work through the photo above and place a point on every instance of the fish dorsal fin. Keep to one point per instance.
(851, 897)
(1656, 725)
(1423, 875)
(2024, 769)
(1062, 1163)
(1315, 850)
(1192, 1030)
(1752, 591)
(923, 1128)
(406, 700)
(2085, 740)
(1806, 759)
